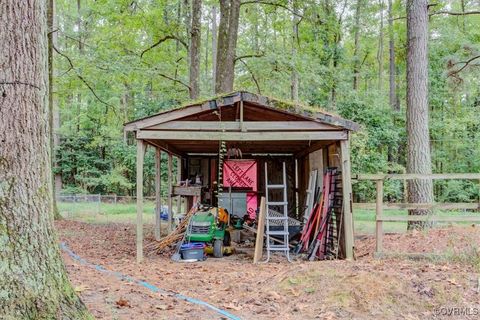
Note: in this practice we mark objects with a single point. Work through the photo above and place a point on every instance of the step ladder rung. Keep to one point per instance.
(283, 248)
(276, 218)
(275, 186)
(278, 233)
(279, 203)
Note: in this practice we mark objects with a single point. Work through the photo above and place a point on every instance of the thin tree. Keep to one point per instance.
(391, 61)
(356, 48)
(195, 45)
(294, 76)
(53, 111)
(380, 49)
(34, 282)
(418, 142)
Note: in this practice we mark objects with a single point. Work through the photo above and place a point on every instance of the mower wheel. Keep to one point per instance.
(227, 240)
(218, 248)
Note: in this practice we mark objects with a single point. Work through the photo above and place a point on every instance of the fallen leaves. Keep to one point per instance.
(122, 303)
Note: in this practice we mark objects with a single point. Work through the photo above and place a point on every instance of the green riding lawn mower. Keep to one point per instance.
(209, 226)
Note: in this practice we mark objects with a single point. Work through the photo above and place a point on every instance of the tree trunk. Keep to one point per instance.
(294, 76)
(80, 51)
(391, 59)
(418, 142)
(214, 46)
(227, 44)
(356, 49)
(380, 49)
(195, 45)
(34, 280)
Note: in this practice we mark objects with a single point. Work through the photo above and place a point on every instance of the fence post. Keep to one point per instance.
(378, 217)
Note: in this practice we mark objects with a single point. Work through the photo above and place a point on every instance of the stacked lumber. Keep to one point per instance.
(174, 237)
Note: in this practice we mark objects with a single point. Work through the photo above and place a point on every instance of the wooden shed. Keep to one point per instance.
(261, 128)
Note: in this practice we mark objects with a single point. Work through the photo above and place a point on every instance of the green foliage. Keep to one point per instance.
(118, 75)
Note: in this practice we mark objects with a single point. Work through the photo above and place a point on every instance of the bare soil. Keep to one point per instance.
(392, 288)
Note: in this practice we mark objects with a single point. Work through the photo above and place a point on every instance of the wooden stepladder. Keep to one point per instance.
(277, 220)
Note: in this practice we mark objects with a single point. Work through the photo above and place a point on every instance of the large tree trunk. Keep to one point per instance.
(214, 46)
(195, 45)
(391, 59)
(356, 48)
(418, 142)
(34, 281)
(227, 44)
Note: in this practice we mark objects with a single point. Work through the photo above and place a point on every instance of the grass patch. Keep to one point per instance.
(106, 212)
(364, 220)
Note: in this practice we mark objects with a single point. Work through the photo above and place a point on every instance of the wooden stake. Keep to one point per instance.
(378, 216)
(260, 232)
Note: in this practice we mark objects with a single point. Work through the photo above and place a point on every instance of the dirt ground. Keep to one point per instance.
(367, 288)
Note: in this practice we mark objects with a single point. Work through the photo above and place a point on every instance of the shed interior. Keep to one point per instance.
(244, 126)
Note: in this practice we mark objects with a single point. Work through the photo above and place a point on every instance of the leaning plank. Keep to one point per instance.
(243, 136)
(260, 232)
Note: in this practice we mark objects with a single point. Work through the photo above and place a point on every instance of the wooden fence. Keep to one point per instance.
(379, 205)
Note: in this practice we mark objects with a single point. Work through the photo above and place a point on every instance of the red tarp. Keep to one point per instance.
(243, 174)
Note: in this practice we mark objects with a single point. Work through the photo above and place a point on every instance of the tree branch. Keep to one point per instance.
(276, 4)
(465, 64)
(253, 55)
(466, 13)
(251, 73)
(174, 80)
(83, 79)
(161, 40)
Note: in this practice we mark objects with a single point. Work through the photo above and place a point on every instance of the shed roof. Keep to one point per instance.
(272, 109)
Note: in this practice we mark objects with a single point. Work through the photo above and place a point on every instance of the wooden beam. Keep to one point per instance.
(243, 136)
(312, 148)
(170, 189)
(378, 216)
(247, 125)
(165, 147)
(400, 206)
(408, 176)
(140, 157)
(432, 218)
(164, 117)
(347, 198)
(158, 189)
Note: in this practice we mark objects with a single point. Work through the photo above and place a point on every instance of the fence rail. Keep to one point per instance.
(379, 206)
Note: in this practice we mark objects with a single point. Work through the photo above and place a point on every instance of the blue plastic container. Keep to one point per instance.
(193, 250)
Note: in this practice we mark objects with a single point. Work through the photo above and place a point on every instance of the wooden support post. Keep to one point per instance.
(170, 189)
(179, 178)
(378, 218)
(347, 198)
(260, 232)
(140, 156)
(242, 126)
(158, 200)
